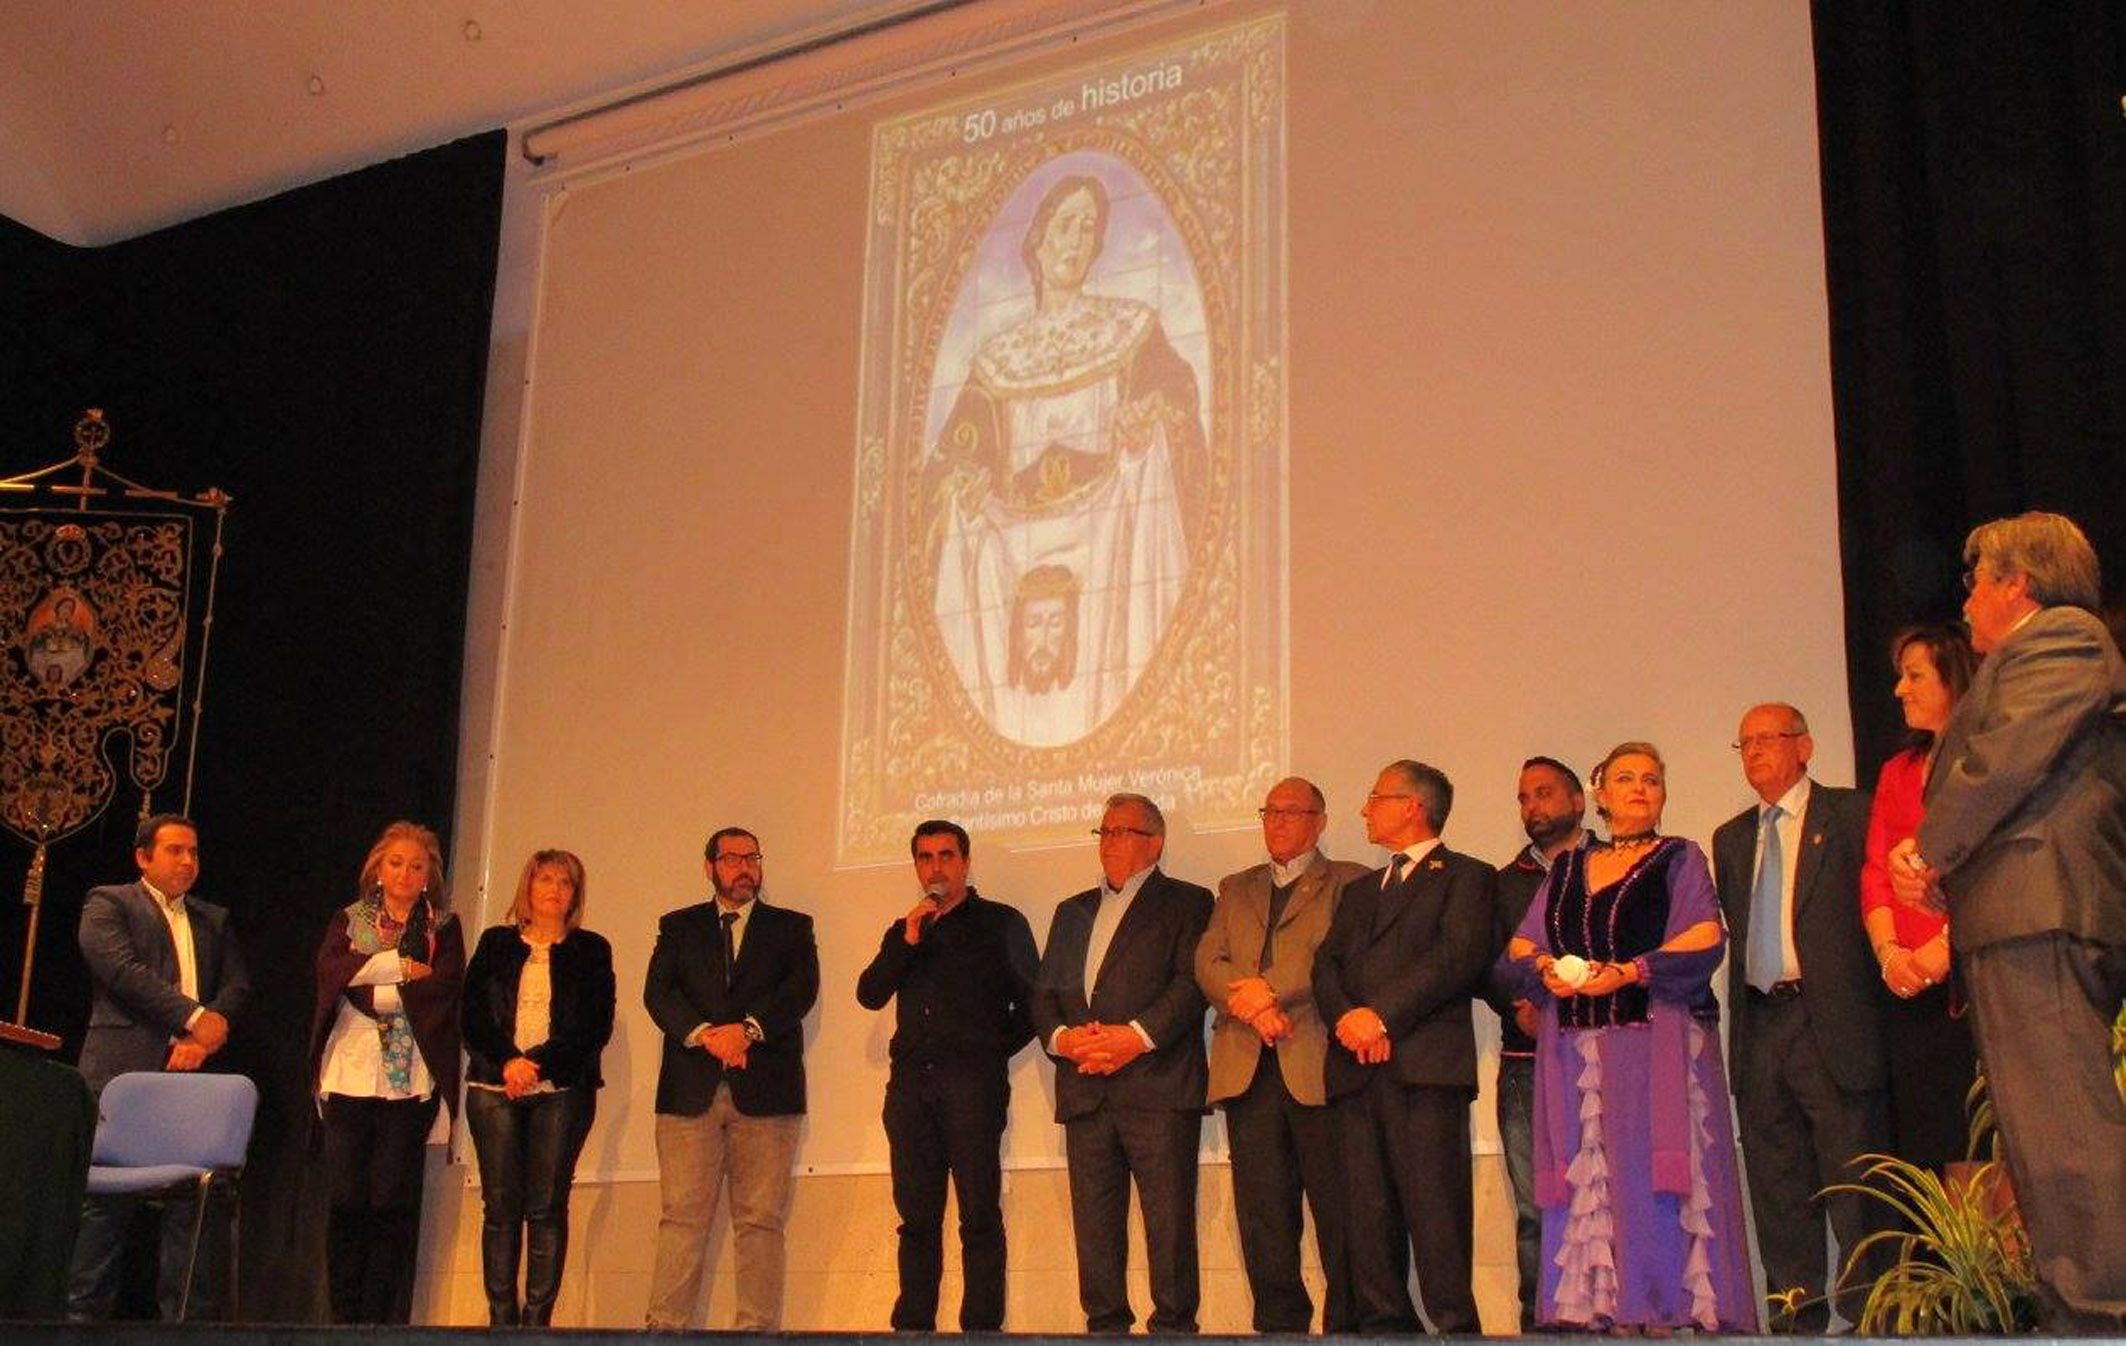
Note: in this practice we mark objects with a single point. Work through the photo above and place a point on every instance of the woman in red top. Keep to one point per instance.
(1932, 1061)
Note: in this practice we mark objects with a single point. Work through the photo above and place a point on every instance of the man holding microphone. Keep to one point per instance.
(963, 969)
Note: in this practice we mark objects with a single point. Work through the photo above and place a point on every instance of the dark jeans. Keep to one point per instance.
(99, 1256)
(1281, 1149)
(373, 1160)
(1516, 1116)
(942, 1123)
(527, 1150)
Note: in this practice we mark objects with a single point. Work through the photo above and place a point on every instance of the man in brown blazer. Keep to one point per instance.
(1256, 967)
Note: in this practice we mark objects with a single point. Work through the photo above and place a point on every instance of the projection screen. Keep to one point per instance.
(1168, 405)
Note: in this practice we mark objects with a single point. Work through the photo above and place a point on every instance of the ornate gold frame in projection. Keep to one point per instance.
(1204, 726)
(98, 607)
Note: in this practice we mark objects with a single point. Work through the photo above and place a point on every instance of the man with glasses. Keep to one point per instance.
(1117, 1007)
(730, 983)
(1409, 948)
(2025, 833)
(1804, 1008)
(1256, 965)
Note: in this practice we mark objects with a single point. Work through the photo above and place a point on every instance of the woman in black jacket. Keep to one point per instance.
(538, 1010)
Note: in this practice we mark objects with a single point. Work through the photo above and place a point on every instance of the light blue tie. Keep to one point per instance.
(1767, 930)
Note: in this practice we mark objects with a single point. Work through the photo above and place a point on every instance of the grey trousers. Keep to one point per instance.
(696, 1157)
(2045, 1043)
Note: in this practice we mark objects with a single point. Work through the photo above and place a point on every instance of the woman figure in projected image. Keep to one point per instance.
(383, 1063)
(538, 1012)
(1062, 482)
(1634, 1157)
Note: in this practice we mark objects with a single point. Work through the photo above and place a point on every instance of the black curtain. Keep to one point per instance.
(1974, 199)
(321, 356)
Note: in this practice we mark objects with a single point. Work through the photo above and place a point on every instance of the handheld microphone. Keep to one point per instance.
(934, 892)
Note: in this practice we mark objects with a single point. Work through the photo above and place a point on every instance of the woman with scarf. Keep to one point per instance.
(383, 1059)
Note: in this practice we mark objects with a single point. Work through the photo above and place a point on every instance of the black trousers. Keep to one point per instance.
(1800, 1134)
(948, 1123)
(1283, 1148)
(527, 1149)
(1406, 1157)
(374, 1153)
(1155, 1147)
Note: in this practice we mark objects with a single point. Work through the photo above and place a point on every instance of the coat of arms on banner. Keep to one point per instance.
(1068, 552)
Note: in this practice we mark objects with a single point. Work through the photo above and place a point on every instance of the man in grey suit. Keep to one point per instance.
(1256, 966)
(166, 981)
(2025, 835)
(1117, 1007)
(1804, 1006)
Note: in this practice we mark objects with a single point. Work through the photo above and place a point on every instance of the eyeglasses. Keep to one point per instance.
(1376, 797)
(1765, 740)
(1970, 579)
(1285, 815)
(739, 857)
(1118, 833)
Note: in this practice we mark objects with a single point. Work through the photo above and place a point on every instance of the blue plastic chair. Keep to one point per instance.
(174, 1136)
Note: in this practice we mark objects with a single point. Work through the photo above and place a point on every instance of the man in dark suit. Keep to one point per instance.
(1804, 1006)
(166, 980)
(2025, 832)
(1407, 952)
(730, 983)
(1116, 1005)
(1256, 966)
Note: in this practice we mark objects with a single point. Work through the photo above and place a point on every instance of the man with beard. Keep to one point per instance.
(961, 967)
(1256, 966)
(729, 984)
(1552, 806)
(1044, 631)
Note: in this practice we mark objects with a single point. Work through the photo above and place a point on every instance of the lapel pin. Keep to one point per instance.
(1816, 840)
(1436, 864)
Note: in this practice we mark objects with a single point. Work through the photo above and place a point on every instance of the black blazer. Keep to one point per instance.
(1416, 955)
(774, 984)
(1149, 975)
(581, 968)
(1840, 979)
(136, 1008)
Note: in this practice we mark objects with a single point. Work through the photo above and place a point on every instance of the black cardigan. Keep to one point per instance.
(581, 967)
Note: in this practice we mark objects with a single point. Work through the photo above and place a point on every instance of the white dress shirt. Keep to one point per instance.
(180, 923)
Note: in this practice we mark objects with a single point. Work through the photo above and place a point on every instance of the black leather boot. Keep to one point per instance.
(545, 1246)
(498, 1267)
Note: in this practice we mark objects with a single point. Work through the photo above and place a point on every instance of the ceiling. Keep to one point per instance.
(118, 118)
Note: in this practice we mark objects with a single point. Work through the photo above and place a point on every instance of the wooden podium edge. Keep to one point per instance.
(28, 1037)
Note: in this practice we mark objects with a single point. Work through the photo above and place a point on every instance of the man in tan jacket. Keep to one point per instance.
(1256, 966)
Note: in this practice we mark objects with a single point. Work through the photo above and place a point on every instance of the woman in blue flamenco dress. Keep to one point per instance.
(1634, 1153)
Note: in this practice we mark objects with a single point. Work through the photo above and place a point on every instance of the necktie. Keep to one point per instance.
(1767, 927)
(730, 950)
(1397, 869)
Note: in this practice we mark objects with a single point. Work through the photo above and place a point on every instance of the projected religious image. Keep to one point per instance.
(1067, 572)
(1074, 436)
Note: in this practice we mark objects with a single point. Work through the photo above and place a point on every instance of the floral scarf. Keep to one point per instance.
(371, 930)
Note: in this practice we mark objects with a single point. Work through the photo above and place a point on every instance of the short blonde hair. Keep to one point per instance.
(437, 892)
(567, 862)
(1630, 748)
